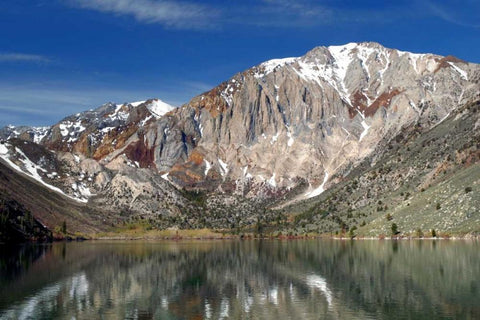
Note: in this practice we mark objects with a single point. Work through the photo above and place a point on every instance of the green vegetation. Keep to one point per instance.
(422, 179)
(64, 227)
(351, 233)
(144, 230)
(419, 233)
(394, 229)
(196, 196)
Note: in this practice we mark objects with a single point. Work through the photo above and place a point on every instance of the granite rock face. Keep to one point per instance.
(308, 118)
(285, 124)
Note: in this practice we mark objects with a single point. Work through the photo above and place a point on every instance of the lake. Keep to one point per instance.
(234, 279)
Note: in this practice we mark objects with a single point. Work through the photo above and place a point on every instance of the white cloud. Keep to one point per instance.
(22, 57)
(173, 14)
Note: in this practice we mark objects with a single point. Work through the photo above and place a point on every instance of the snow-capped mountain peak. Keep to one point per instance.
(158, 108)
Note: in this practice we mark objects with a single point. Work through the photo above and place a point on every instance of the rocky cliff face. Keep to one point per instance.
(288, 124)
(311, 118)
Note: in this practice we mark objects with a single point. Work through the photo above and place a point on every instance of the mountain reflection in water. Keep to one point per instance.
(311, 279)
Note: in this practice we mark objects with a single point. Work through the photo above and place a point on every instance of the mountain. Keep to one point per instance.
(277, 134)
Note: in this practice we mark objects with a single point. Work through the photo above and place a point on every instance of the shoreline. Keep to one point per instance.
(205, 235)
(180, 237)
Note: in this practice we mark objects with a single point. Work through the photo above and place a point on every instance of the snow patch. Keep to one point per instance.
(413, 59)
(364, 54)
(106, 129)
(441, 120)
(270, 65)
(314, 72)
(119, 114)
(144, 121)
(462, 73)
(246, 174)
(71, 129)
(274, 138)
(136, 103)
(414, 106)
(342, 56)
(39, 133)
(158, 108)
(365, 130)
(290, 139)
(63, 129)
(3, 150)
(319, 190)
(224, 167)
(165, 176)
(208, 166)
(272, 182)
(84, 191)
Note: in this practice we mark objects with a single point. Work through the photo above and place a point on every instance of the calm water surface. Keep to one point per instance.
(311, 279)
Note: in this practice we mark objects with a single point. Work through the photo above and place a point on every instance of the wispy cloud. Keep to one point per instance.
(20, 109)
(278, 13)
(22, 57)
(195, 86)
(461, 15)
(172, 14)
(188, 14)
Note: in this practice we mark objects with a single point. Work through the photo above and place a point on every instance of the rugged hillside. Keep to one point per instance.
(423, 179)
(57, 187)
(18, 224)
(331, 115)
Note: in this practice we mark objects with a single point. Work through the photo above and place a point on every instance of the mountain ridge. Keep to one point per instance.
(325, 112)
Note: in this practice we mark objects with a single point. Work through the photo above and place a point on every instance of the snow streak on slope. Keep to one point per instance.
(319, 190)
(365, 130)
(32, 171)
(342, 56)
(208, 166)
(462, 73)
(224, 167)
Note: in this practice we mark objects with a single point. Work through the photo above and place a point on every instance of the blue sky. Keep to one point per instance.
(59, 57)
